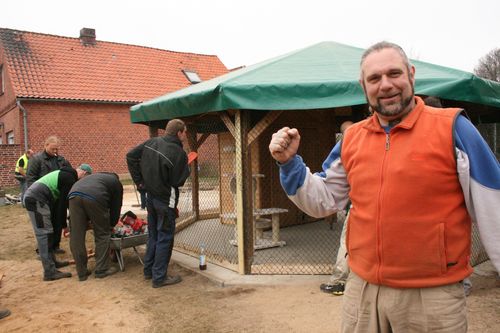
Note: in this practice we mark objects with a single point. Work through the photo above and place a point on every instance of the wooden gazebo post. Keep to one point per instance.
(243, 137)
(244, 211)
(244, 202)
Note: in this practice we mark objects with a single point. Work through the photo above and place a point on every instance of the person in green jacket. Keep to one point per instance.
(40, 201)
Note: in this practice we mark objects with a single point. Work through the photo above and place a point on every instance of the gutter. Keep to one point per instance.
(25, 124)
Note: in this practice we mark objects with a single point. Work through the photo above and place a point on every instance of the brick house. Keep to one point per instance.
(81, 89)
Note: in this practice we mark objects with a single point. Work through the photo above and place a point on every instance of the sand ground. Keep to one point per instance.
(125, 302)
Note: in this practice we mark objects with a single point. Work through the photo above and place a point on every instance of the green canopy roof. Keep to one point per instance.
(324, 75)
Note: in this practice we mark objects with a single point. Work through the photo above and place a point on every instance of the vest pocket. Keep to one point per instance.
(413, 250)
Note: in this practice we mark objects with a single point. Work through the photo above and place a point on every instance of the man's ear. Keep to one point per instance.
(412, 74)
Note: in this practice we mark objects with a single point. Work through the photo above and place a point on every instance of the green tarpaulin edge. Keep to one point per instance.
(324, 75)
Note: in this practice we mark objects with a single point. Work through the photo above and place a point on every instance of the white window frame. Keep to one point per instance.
(10, 138)
(192, 76)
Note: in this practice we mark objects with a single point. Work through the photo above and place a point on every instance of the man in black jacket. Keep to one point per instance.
(41, 164)
(160, 166)
(96, 198)
(46, 161)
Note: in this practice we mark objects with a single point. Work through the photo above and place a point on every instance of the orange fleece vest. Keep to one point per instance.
(408, 225)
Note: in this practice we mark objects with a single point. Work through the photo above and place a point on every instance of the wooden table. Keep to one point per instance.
(262, 243)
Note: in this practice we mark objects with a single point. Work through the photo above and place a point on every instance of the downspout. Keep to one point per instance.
(25, 124)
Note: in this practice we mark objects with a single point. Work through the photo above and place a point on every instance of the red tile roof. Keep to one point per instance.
(55, 67)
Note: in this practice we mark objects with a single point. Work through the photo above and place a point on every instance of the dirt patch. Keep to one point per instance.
(125, 302)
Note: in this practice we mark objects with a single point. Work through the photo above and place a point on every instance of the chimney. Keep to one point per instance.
(87, 36)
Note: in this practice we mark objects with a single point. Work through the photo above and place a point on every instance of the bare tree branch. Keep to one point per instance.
(489, 66)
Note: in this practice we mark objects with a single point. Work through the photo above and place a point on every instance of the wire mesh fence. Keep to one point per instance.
(491, 134)
(283, 240)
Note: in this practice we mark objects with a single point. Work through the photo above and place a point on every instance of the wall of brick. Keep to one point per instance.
(8, 98)
(93, 133)
(97, 134)
(9, 114)
(11, 122)
(9, 155)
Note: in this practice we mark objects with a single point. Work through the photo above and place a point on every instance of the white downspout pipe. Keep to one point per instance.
(25, 125)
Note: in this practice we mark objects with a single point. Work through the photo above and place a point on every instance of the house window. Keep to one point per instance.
(10, 138)
(2, 80)
(192, 76)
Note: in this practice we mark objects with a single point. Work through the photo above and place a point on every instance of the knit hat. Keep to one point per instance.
(85, 167)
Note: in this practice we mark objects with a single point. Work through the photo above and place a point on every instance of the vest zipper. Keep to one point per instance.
(380, 195)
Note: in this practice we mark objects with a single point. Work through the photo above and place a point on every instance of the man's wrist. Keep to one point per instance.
(288, 163)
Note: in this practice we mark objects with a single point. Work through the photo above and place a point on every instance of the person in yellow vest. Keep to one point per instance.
(20, 172)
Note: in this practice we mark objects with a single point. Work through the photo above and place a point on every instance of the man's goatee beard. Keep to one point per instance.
(388, 113)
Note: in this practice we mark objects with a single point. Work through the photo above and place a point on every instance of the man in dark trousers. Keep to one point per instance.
(160, 166)
(41, 164)
(47, 195)
(96, 198)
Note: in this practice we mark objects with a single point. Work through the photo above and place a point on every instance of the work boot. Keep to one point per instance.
(110, 271)
(336, 289)
(57, 275)
(168, 281)
(84, 277)
(60, 264)
(148, 275)
(4, 313)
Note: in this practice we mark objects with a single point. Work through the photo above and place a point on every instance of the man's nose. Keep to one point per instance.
(385, 83)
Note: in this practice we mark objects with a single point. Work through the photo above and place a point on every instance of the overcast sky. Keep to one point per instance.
(453, 33)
